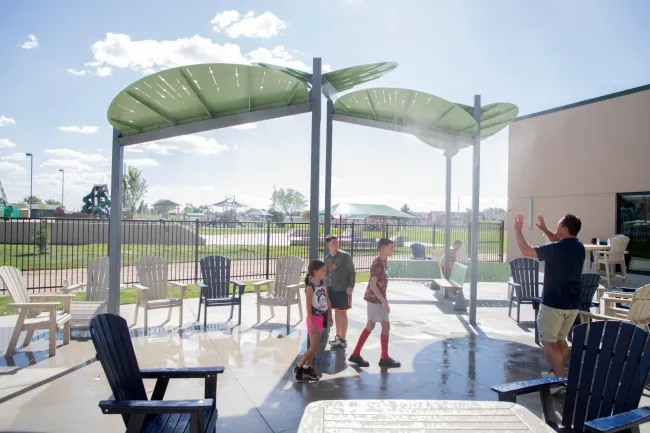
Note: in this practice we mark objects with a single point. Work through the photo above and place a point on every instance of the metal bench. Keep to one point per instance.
(454, 283)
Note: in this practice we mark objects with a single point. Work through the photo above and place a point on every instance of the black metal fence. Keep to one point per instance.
(53, 252)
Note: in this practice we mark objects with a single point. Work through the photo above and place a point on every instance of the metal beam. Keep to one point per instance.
(447, 263)
(216, 123)
(315, 97)
(115, 226)
(462, 138)
(476, 181)
(328, 170)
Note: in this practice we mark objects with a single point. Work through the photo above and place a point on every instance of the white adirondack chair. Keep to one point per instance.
(34, 316)
(284, 291)
(615, 256)
(639, 312)
(153, 290)
(96, 293)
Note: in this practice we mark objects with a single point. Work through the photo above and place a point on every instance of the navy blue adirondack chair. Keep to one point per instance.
(608, 368)
(524, 287)
(110, 335)
(588, 288)
(217, 289)
(417, 250)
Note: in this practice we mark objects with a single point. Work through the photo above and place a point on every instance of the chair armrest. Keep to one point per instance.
(619, 422)
(177, 284)
(140, 287)
(262, 283)
(73, 288)
(591, 315)
(35, 305)
(180, 373)
(65, 299)
(134, 407)
(240, 285)
(258, 287)
(510, 391)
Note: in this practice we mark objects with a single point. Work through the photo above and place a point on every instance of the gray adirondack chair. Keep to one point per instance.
(153, 290)
(34, 316)
(96, 286)
(284, 291)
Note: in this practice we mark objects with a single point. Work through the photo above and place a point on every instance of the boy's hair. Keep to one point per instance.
(572, 224)
(458, 242)
(383, 242)
(329, 238)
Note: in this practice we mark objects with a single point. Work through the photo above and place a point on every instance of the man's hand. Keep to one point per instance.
(540, 223)
(349, 291)
(386, 307)
(519, 222)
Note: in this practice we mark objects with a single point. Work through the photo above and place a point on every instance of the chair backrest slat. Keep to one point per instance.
(287, 272)
(15, 282)
(640, 307)
(618, 246)
(152, 273)
(525, 272)
(608, 359)
(215, 271)
(588, 289)
(97, 280)
(417, 250)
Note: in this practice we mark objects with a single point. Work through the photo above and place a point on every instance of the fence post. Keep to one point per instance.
(268, 249)
(352, 240)
(434, 236)
(502, 241)
(196, 251)
(469, 238)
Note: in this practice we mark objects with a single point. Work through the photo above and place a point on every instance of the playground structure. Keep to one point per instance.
(7, 210)
(97, 202)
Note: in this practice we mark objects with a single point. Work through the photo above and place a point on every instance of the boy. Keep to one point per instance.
(341, 277)
(378, 308)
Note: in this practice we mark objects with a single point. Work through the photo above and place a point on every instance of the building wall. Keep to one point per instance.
(575, 161)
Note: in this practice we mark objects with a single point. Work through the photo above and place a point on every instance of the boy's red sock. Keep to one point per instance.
(384, 346)
(362, 340)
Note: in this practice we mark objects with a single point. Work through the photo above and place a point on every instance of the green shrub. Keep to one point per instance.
(41, 236)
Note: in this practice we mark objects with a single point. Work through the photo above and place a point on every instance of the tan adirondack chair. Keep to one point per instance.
(96, 293)
(153, 290)
(284, 291)
(638, 314)
(34, 316)
(615, 256)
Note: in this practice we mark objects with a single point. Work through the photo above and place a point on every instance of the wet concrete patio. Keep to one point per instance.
(443, 358)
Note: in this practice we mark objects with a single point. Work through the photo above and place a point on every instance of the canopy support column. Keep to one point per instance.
(315, 98)
(328, 170)
(476, 180)
(115, 226)
(447, 217)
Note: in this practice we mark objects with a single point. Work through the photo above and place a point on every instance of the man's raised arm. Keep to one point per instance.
(526, 249)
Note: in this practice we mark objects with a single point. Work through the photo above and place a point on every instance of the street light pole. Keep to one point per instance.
(31, 181)
(62, 186)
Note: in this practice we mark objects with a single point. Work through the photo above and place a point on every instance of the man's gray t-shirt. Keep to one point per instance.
(341, 274)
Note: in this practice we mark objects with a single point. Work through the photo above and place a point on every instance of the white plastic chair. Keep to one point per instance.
(284, 291)
(615, 256)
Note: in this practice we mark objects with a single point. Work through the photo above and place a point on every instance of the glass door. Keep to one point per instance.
(633, 220)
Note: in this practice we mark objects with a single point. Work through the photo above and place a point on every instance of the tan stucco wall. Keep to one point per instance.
(575, 161)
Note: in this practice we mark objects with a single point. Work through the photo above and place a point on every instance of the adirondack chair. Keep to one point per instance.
(608, 368)
(615, 256)
(588, 288)
(284, 291)
(638, 313)
(30, 316)
(524, 287)
(96, 293)
(418, 252)
(110, 335)
(153, 290)
(216, 287)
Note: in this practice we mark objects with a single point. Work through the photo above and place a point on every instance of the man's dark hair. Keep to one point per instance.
(383, 242)
(458, 242)
(329, 238)
(572, 224)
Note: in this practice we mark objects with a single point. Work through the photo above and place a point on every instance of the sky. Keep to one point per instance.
(63, 62)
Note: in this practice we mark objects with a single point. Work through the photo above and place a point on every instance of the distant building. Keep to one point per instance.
(494, 216)
(438, 217)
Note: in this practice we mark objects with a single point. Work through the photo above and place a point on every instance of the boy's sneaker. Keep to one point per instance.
(359, 361)
(389, 363)
(557, 391)
(297, 373)
(338, 343)
(310, 374)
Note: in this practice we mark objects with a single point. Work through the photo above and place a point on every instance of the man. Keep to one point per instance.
(564, 258)
(378, 308)
(453, 256)
(341, 277)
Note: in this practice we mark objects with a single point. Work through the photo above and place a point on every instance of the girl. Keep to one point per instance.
(318, 307)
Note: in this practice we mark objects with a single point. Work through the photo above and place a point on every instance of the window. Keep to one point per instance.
(633, 220)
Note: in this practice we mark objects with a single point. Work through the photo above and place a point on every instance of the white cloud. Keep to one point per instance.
(31, 42)
(142, 162)
(235, 147)
(73, 154)
(147, 56)
(16, 156)
(195, 144)
(10, 167)
(103, 71)
(80, 72)
(4, 142)
(79, 129)
(235, 24)
(4, 120)
(67, 164)
(246, 126)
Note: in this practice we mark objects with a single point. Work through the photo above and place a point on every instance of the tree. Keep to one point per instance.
(143, 208)
(406, 209)
(494, 210)
(275, 216)
(32, 200)
(53, 202)
(290, 201)
(134, 188)
(189, 208)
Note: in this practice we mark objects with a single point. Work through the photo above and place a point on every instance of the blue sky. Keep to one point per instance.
(58, 84)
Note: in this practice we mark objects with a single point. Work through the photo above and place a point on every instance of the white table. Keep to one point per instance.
(591, 248)
(347, 416)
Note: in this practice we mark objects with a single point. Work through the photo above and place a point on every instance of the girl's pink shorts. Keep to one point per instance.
(319, 321)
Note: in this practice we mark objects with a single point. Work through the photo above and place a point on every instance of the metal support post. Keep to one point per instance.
(447, 217)
(476, 180)
(315, 98)
(115, 226)
(328, 170)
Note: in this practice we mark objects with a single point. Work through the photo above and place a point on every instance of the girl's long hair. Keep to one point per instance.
(314, 266)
